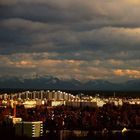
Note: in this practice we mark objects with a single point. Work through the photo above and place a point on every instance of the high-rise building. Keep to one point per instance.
(54, 95)
(65, 96)
(27, 94)
(60, 95)
(49, 95)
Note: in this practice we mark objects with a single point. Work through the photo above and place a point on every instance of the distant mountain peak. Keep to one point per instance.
(50, 82)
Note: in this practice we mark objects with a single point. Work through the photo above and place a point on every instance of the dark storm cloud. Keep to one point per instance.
(29, 36)
(97, 13)
(80, 34)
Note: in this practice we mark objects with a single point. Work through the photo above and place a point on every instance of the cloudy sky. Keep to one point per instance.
(81, 39)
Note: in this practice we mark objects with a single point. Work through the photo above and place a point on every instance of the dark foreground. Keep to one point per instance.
(71, 135)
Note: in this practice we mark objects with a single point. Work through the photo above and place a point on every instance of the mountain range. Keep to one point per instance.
(50, 82)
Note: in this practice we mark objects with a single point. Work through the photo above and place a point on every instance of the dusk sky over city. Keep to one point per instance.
(80, 39)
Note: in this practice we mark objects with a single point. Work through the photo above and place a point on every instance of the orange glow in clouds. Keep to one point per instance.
(129, 73)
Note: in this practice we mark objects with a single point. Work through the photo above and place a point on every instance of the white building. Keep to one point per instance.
(29, 129)
(56, 102)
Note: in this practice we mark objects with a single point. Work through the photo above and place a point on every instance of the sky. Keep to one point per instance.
(70, 39)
